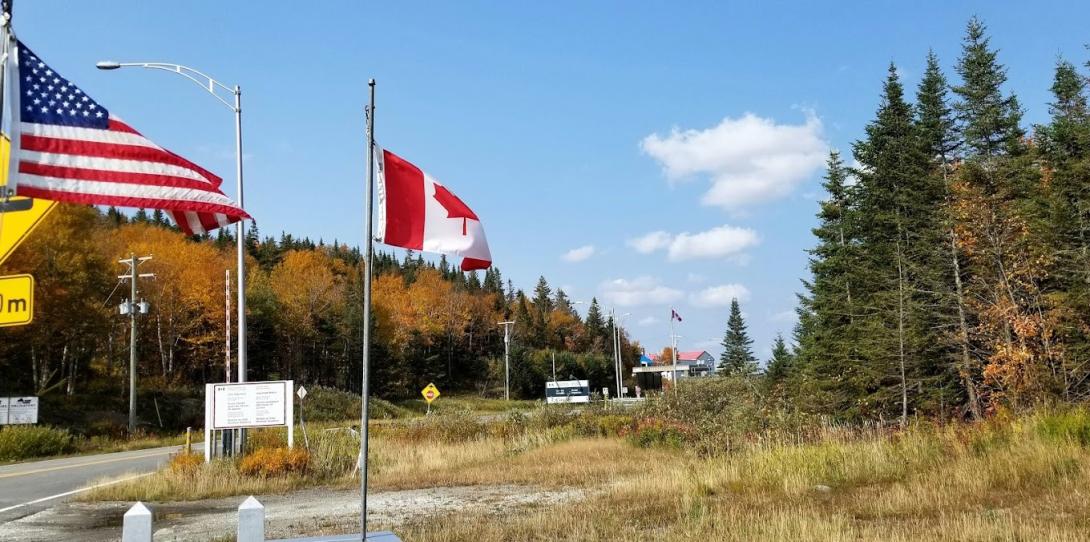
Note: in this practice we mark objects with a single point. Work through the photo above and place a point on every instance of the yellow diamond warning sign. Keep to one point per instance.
(18, 215)
(16, 300)
(430, 393)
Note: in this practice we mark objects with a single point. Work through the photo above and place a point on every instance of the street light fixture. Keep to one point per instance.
(211, 86)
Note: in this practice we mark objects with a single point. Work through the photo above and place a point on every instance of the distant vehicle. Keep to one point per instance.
(567, 391)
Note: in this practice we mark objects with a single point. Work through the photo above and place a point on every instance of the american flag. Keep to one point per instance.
(72, 149)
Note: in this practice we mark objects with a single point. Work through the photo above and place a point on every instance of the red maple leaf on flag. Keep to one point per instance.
(454, 206)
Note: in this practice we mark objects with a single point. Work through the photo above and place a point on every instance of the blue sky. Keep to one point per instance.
(563, 124)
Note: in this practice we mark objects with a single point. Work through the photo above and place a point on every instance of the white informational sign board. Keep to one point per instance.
(567, 391)
(18, 410)
(248, 405)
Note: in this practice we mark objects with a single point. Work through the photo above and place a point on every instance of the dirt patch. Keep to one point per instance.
(303, 513)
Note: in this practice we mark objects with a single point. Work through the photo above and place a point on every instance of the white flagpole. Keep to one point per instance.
(367, 258)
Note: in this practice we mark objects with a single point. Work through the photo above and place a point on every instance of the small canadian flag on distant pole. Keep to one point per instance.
(416, 212)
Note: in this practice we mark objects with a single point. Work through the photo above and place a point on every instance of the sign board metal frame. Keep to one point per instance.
(567, 391)
(18, 410)
(211, 424)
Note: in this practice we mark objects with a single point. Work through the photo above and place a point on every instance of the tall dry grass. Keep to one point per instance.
(1024, 479)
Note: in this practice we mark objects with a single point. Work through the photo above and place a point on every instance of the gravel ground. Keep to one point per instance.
(303, 513)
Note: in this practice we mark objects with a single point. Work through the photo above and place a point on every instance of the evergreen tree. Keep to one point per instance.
(543, 296)
(737, 358)
(828, 330)
(444, 267)
(1064, 145)
(473, 282)
(594, 326)
(902, 265)
(937, 129)
(989, 121)
(563, 304)
(998, 204)
(779, 366)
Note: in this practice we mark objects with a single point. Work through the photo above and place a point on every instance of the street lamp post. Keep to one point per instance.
(211, 85)
(616, 340)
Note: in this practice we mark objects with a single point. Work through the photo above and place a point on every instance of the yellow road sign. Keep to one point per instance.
(430, 393)
(16, 300)
(19, 216)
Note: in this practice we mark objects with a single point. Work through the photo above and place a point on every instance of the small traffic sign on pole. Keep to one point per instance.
(16, 300)
(430, 393)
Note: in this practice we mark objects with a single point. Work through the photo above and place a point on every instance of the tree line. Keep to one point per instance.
(432, 322)
(951, 274)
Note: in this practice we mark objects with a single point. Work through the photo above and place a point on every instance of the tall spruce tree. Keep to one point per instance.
(902, 264)
(937, 129)
(737, 358)
(828, 330)
(989, 120)
(997, 206)
(1064, 146)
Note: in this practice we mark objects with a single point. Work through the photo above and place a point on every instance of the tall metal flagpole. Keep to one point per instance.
(367, 257)
(240, 234)
(673, 350)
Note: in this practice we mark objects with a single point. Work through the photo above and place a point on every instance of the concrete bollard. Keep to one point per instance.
(251, 521)
(136, 525)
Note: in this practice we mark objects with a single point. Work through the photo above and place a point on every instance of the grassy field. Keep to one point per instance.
(649, 475)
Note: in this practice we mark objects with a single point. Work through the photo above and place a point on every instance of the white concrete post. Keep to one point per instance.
(251, 521)
(136, 525)
(290, 410)
(208, 447)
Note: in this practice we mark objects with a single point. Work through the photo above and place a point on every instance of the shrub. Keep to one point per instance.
(333, 454)
(1070, 426)
(19, 442)
(186, 464)
(268, 462)
(452, 427)
(596, 424)
(649, 432)
(324, 404)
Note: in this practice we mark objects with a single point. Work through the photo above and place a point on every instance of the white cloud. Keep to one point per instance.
(647, 321)
(719, 296)
(638, 291)
(696, 278)
(578, 254)
(717, 242)
(749, 159)
(651, 242)
(784, 317)
(714, 243)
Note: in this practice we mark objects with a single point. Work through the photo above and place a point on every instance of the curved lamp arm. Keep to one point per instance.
(201, 79)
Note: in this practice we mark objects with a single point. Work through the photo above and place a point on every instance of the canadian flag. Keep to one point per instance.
(416, 212)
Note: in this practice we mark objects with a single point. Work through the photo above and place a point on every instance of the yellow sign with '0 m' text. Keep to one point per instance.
(16, 300)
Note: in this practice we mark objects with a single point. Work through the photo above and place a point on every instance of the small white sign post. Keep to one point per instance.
(248, 405)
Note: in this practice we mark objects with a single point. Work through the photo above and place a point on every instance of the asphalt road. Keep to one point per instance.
(27, 488)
